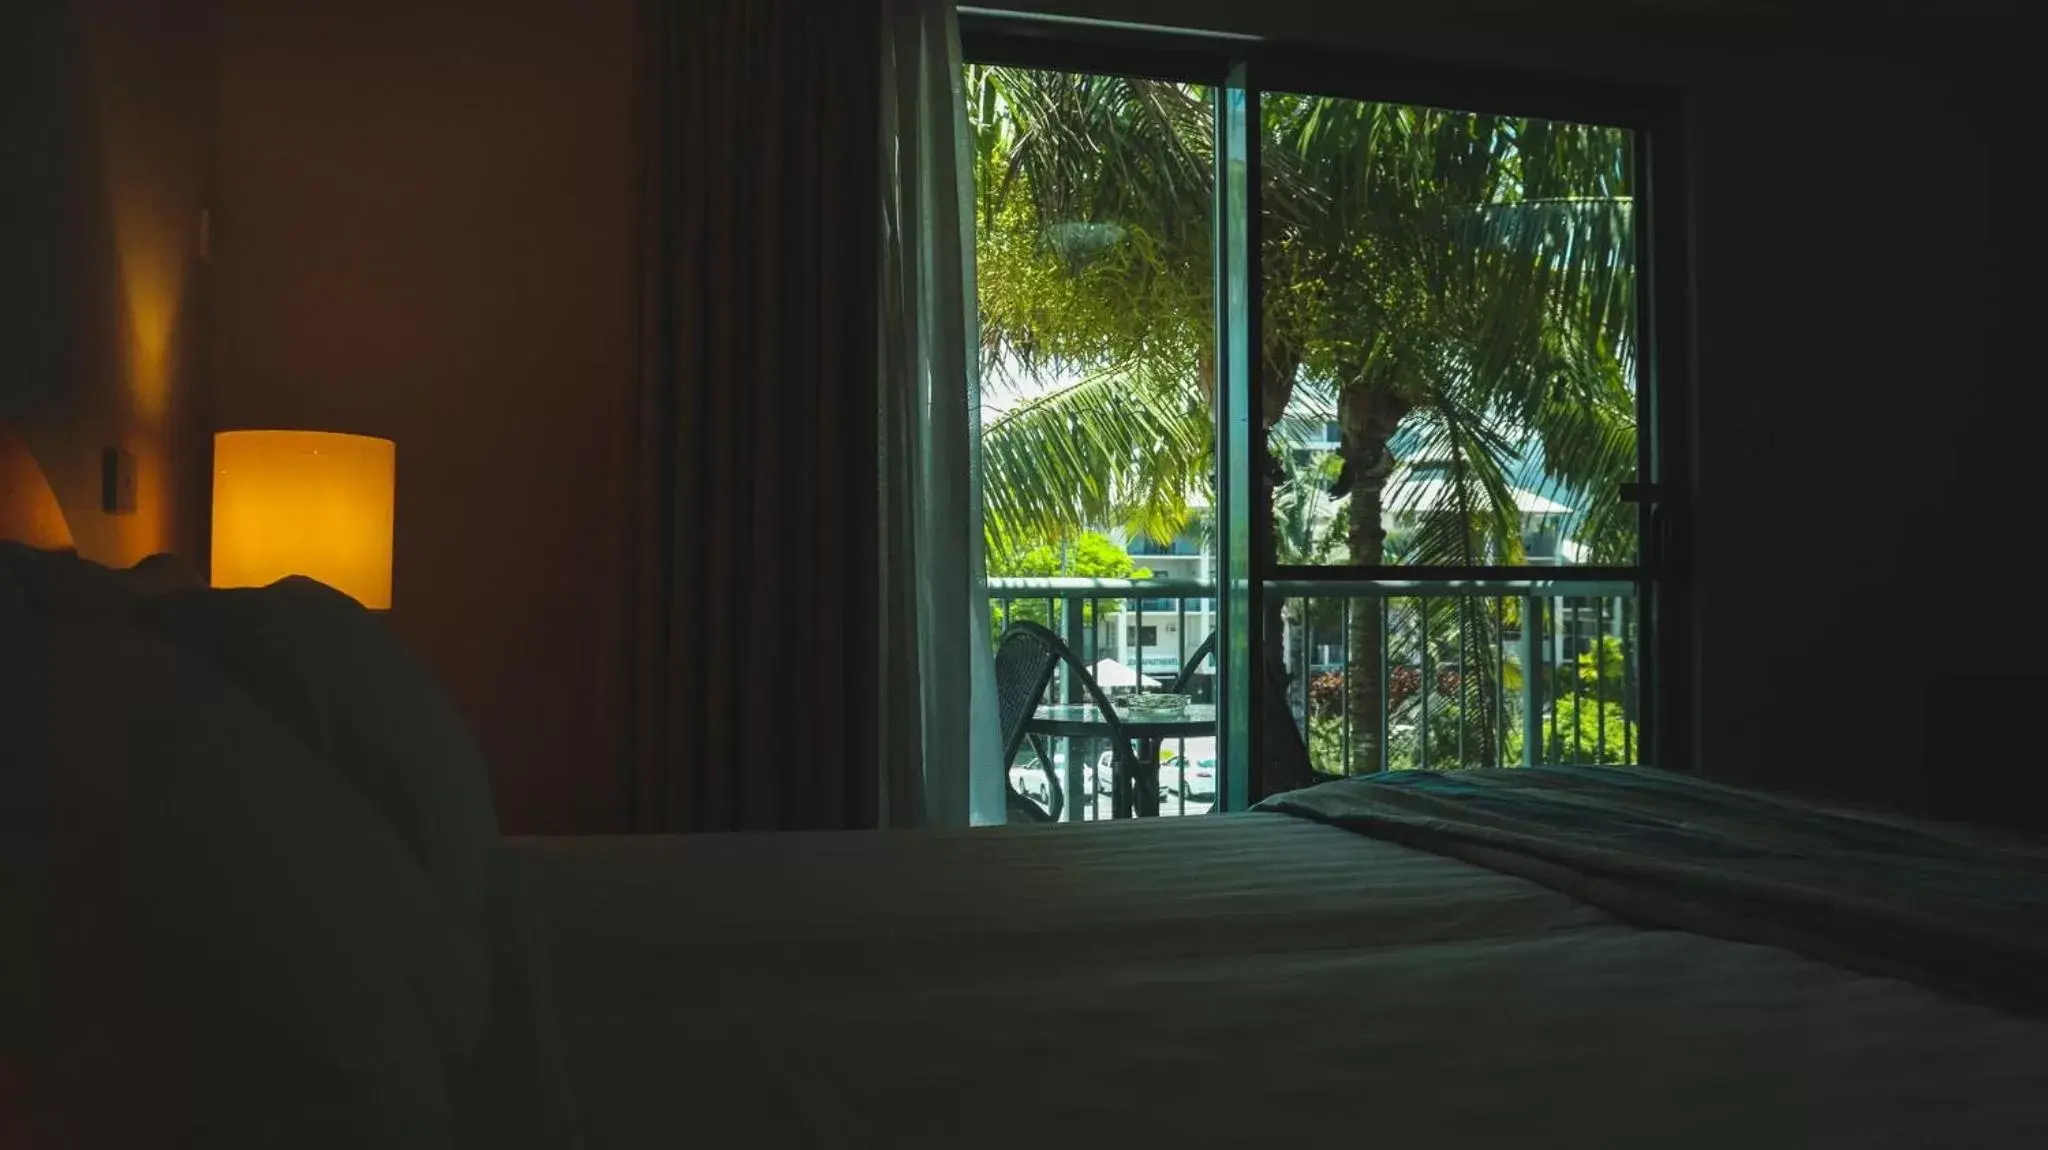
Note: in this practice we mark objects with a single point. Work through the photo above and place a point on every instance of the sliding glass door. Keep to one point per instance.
(1329, 409)
(1094, 213)
(1451, 403)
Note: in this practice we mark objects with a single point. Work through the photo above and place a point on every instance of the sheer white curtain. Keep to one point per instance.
(938, 729)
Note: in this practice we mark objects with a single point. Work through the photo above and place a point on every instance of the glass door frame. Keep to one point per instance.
(1239, 68)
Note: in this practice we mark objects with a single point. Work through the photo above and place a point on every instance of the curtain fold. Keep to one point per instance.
(757, 549)
(810, 622)
(938, 743)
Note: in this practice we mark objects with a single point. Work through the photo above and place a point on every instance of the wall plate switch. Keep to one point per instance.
(117, 481)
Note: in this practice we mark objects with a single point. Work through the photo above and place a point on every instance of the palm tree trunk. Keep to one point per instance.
(1364, 692)
(1276, 382)
(1367, 418)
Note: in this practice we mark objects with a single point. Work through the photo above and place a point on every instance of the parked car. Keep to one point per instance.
(1028, 779)
(1102, 776)
(1028, 776)
(1192, 781)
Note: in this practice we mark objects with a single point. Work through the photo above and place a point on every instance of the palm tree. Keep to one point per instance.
(1092, 218)
(1463, 281)
(1469, 280)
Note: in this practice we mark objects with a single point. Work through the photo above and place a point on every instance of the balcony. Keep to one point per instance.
(1455, 674)
(1461, 673)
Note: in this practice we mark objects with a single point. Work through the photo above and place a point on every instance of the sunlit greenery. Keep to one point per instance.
(1583, 729)
(1090, 555)
(1459, 284)
(1093, 264)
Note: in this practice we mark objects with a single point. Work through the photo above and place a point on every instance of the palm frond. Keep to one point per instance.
(1120, 447)
(1477, 269)
(1462, 463)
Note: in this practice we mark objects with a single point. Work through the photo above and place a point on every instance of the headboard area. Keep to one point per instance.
(29, 512)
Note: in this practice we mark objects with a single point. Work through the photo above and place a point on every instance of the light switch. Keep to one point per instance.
(117, 481)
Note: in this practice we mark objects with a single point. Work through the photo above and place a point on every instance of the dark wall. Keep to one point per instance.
(1982, 542)
(1867, 405)
(106, 146)
(425, 232)
(1846, 313)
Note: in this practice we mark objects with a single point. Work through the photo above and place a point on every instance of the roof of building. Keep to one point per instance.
(1413, 490)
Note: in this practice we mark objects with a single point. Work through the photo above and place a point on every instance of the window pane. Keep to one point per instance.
(1094, 238)
(1448, 369)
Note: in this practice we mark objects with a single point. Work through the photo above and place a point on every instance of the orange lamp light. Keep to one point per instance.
(310, 503)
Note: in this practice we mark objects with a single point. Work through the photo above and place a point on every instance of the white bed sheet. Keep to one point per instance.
(1236, 981)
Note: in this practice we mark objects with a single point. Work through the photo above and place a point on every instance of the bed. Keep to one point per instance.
(1244, 980)
(1222, 981)
(1323, 969)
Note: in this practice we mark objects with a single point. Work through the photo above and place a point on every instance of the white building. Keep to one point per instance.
(1158, 635)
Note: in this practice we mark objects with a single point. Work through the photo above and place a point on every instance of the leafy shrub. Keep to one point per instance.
(1601, 669)
(1091, 555)
(1405, 682)
(1326, 693)
(1580, 723)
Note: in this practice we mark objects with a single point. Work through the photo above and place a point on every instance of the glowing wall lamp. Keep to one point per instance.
(310, 503)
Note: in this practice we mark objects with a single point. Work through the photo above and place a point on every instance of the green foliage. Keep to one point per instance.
(1464, 280)
(1576, 734)
(1092, 248)
(1308, 526)
(1464, 731)
(1579, 721)
(1326, 744)
(1092, 200)
(1118, 447)
(1576, 738)
(1509, 610)
(1602, 668)
(1468, 277)
(1465, 723)
(1090, 555)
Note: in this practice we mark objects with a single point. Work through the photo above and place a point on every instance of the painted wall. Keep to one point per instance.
(107, 146)
(424, 232)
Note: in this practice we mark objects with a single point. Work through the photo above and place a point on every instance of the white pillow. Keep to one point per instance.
(223, 945)
(332, 672)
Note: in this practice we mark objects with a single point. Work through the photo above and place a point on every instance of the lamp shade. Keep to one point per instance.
(310, 503)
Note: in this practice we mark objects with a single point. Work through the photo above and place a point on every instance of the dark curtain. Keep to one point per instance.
(758, 516)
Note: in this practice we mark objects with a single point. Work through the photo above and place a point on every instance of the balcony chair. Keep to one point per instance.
(1026, 657)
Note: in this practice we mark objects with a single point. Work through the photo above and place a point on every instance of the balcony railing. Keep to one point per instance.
(1461, 674)
(1456, 674)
